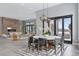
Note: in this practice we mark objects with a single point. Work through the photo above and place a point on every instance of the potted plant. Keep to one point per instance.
(47, 33)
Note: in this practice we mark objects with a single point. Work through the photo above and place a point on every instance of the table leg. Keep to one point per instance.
(55, 46)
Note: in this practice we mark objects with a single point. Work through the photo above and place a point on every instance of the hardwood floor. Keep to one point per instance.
(7, 48)
(72, 50)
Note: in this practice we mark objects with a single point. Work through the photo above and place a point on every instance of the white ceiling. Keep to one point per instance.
(22, 11)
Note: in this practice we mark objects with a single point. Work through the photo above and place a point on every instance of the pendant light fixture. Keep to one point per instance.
(44, 17)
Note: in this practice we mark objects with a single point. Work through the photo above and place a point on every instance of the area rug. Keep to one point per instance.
(51, 52)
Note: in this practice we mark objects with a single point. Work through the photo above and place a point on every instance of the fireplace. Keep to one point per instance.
(10, 29)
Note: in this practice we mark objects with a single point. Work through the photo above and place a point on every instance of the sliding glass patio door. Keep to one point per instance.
(63, 27)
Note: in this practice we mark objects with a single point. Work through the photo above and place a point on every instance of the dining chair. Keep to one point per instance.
(30, 42)
(59, 44)
(40, 43)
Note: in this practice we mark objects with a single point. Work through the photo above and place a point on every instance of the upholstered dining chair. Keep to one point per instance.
(59, 43)
(30, 41)
(14, 36)
(40, 43)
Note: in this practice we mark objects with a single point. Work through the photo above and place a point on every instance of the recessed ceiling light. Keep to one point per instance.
(31, 8)
(27, 18)
(22, 4)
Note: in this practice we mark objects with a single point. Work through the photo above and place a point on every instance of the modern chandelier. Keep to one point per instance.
(44, 17)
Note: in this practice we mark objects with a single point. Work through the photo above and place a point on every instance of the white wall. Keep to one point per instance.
(61, 10)
(78, 21)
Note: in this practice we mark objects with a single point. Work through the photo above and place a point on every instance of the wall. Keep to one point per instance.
(78, 21)
(9, 22)
(0, 25)
(60, 10)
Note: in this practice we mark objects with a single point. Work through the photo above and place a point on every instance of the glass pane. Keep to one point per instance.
(52, 27)
(28, 28)
(67, 29)
(59, 27)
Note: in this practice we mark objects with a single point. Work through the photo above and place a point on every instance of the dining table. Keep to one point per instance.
(49, 38)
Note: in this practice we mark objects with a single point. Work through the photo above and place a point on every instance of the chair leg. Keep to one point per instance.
(55, 46)
(33, 47)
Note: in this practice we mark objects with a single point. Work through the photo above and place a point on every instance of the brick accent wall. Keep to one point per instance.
(9, 22)
(0, 25)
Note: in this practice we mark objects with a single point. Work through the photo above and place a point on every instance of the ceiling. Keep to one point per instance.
(22, 11)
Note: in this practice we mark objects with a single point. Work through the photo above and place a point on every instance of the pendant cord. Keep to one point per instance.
(43, 7)
(47, 10)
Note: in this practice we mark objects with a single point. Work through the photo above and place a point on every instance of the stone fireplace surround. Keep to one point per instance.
(9, 22)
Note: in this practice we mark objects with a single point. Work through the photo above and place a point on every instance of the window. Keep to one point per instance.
(30, 27)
